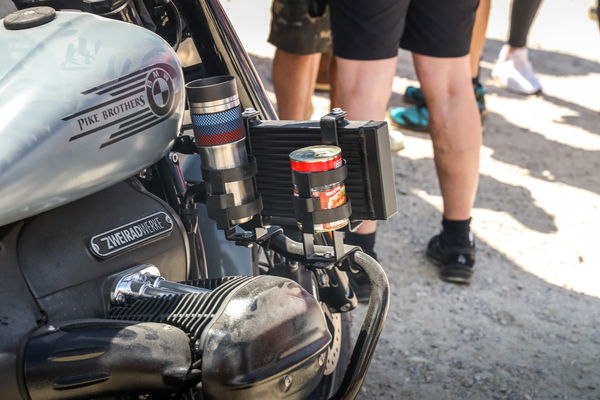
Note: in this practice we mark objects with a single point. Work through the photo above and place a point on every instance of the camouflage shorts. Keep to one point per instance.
(296, 32)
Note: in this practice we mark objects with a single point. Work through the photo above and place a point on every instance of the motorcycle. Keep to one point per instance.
(139, 260)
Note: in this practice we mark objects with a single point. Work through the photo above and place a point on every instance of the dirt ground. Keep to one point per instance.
(527, 326)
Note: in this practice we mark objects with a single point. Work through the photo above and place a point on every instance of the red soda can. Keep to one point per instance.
(322, 158)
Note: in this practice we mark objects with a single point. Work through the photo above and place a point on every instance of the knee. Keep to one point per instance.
(455, 142)
(455, 125)
(450, 92)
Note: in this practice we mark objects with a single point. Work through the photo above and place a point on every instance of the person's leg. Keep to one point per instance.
(477, 42)
(364, 90)
(333, 92)
(365, 40)
(478, 38)
(294, 78)
(417, 117)
(455, 129)
(365, 87)
(441, 61)
(300, 39)
(513, 69)
(522, 14)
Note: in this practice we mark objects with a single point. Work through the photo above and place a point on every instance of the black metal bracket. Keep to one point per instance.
(249, 118)
(252, 235)
(335, 290)
(220, 204)
(185, 144)
(329, 124)
(216, 179)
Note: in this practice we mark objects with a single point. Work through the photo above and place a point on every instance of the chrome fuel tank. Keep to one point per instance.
(85, 102)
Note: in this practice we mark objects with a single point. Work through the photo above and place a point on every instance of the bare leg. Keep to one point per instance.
(333, 92)
(326, 76)
(455, 128)
(478, 39)
(364, 87)
(363, 90)
(294, 79)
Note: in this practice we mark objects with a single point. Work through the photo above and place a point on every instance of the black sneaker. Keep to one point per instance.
(456, 263)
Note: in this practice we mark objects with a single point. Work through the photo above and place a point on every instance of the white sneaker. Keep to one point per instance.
(396, 140)
(515, 72)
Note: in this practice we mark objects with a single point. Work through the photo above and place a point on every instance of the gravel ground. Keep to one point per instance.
(526, 328)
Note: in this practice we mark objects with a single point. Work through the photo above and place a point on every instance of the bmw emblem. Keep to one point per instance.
(159, 91)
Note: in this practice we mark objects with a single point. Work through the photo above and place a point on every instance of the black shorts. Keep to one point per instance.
(374, 29)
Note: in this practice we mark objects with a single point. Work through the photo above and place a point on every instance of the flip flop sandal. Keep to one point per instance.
(414, 118)
(414, 95)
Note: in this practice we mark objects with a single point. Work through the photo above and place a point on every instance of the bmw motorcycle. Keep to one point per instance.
(154, 242)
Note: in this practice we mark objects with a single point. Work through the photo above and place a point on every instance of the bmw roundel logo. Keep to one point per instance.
(159, 91)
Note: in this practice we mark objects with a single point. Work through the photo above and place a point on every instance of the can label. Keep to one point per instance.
(319, 159)
(332, 197)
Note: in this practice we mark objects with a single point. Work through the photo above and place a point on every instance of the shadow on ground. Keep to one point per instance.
(544, 159)
(509, 335)
(557, 64)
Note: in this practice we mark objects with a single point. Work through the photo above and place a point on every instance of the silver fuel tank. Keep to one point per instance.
(85, 102)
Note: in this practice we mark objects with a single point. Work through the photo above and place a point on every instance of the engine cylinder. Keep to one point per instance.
(257, 337)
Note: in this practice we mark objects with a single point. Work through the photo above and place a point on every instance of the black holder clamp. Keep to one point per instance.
(329, 124)
(308, 210)
(220, 204)
(185, 144)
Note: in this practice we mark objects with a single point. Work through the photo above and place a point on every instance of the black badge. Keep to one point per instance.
(134, 234)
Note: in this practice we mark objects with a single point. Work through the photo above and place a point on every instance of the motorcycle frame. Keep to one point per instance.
(224, 54)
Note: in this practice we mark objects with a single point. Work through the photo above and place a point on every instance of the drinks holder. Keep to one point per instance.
(220, 204)
(307, 209)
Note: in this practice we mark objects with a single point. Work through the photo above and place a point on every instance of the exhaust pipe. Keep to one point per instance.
(97, 358)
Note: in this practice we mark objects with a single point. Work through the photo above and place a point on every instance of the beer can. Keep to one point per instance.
(321, 158)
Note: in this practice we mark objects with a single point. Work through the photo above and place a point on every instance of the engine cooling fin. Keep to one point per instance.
(210, 283)
(191, 313)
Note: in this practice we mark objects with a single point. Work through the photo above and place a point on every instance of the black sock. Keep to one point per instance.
(456, 232)
(366, 242)
(477, 85)
(475, 80)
